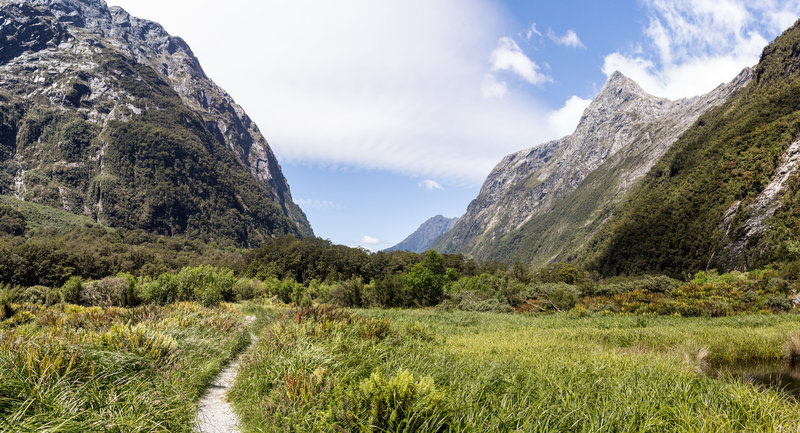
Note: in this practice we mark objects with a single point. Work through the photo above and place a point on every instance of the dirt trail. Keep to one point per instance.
(214, 413)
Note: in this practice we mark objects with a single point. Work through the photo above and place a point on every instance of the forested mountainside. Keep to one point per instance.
(108, 116)
(541, 204)
(727, 194)
(422, 238)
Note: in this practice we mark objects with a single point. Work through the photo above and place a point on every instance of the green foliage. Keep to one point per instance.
(349, 293)
(93, 369)
(71, 290)
(204, 284)
(107, 292)
(499, 372)
(560, 296)
(12, 222)
(398, 403)
(425, 281)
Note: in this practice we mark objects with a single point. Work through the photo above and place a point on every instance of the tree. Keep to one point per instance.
(425, 281)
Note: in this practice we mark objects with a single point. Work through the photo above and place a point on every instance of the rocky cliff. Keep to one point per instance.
(726, 195)
(422, 238)
(107, 115)
(540, 204)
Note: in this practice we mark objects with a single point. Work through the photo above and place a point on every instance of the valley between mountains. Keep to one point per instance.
(639, 274)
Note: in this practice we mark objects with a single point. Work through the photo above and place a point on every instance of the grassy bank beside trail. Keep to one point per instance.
(69, 368)
(425, 370)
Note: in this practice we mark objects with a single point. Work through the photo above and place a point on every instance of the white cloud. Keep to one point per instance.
(430, 185)
(532, 31)
(395, 85)
(565, 119)
(508, 56)
(318, 204)
(570, 39)
(695, 45)
(492, 88)
(369, 240)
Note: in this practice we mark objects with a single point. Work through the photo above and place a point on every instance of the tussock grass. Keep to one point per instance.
(495, 372)
(69, 368)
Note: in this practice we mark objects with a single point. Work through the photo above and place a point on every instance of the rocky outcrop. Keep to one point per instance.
(539, 204)
(422, 238)
(148, 43)
(79, 79)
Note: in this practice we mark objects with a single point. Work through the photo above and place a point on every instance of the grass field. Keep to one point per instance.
(69, 368)
(428, 370)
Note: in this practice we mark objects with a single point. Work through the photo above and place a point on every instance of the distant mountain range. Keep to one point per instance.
(646, 184)
(108, 116)
(422, 238)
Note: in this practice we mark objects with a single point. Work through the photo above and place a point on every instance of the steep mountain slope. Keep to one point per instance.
(108, 116)
(726, 194)
(422, 238)
(540, 204)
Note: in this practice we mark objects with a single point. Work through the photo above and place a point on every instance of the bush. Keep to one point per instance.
(388, 292)
(164, 290)
(349, 293)
(207, 284)
(777, 302)
(246, 288)
(425, 281)
(400, 403)
(71, 290)
(108, 292)
(560, 296)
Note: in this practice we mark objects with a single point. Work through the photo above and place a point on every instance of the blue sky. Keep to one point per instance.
(385, 113)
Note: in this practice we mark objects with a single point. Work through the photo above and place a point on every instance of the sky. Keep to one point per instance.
(384, 113)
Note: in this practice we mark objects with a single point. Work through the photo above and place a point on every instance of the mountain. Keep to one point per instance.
(422, 238)
(108, 116)
(727, 194)
(541, 204)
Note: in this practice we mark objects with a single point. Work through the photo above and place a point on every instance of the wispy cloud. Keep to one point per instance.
(565, 119)
(318, 204)
(694, 45)
(369, 240)
(430, 185)
(373, 85)
(532, 31)
(508, 56)
(569, 39)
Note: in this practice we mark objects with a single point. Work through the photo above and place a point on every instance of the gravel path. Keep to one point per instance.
(214, 413)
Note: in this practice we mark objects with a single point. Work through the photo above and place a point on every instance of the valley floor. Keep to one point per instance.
(430, 370)
(69, 368)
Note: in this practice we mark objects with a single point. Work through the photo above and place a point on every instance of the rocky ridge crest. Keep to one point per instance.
(624, 130)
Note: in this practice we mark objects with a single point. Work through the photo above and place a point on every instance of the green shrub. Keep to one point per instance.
(108, 292)
(164, 290)
(71, 290)
(778, 302)
(207, 284)
(246, 288)
(349, 293)
(560, 296)
(400, 403)
(388, 292)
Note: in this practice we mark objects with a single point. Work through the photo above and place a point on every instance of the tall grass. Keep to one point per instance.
(497, 373)
(76, 369)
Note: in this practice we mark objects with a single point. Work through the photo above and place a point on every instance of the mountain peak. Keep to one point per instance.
(620, 88)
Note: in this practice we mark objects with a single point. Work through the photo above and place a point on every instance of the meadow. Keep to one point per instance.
(434, 371)
(70, 368)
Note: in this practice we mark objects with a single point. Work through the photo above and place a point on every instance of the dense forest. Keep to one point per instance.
(95, 265)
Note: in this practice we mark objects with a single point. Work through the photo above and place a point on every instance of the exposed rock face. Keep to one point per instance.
(83, 64)
(757, 213)
(539, 204)
(422, 238)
